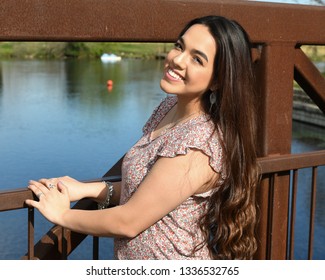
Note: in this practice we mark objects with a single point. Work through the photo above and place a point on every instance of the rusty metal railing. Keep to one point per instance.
(272, 168)
(58, 242)
(277, 31)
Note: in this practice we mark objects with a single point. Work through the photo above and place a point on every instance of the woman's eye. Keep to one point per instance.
(198, 60)
(178, 46)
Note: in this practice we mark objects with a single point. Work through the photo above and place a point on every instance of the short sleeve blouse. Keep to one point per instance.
(177, 234)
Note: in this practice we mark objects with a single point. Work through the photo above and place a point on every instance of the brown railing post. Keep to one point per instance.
(64, 244)
(293, 213)
(95, 247)
(30, 238)
(275, 87)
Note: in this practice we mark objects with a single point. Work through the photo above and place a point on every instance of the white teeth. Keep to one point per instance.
(174, 75)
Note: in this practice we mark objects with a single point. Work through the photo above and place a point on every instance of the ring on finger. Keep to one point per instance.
(51, 186)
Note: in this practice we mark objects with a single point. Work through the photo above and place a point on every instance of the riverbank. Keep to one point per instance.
(61, 50)
(305, 110)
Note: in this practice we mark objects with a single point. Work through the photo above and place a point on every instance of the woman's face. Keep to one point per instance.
(189, 65)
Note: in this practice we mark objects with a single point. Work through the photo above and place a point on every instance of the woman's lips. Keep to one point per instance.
(173, 75)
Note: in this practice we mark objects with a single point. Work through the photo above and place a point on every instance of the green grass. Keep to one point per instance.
(6, 49)
(139, 50)
(53, 50)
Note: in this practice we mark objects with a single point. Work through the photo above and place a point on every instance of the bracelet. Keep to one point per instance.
(110, 189)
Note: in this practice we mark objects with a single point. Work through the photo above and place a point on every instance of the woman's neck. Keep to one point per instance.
(186, 107)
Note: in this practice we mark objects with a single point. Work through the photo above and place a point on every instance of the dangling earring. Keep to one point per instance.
(213, 99)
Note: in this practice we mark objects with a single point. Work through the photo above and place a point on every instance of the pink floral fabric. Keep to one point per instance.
(177, 234)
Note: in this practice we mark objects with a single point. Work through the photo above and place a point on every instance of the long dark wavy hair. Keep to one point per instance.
(229, 223)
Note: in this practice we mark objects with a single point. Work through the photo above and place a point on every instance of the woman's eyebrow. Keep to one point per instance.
(200, 53)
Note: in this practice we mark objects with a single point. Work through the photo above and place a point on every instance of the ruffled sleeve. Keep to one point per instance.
(197, 134)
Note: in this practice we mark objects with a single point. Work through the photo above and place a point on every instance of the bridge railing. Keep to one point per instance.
(58, 242)
(277, 32)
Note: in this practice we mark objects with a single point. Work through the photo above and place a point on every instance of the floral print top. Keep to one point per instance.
(177, 234)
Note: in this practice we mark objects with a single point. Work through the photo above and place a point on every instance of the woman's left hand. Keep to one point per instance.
(53, 201)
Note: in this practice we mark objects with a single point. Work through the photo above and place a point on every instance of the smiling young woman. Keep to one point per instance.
(188, 184)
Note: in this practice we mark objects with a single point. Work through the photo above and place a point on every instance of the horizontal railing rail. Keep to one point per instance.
(154, 21)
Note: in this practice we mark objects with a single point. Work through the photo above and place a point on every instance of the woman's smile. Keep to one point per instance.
(173, 75)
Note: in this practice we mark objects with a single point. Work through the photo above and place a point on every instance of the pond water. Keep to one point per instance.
(59, 118)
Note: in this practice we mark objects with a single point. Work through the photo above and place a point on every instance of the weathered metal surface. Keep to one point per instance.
(293, 214)
(275, 84)
(278, 163)
(145, 20)
(14, 199)
(31, 230)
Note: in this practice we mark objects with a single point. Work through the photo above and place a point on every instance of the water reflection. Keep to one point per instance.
(53, 112)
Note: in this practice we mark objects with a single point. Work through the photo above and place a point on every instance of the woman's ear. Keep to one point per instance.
(214, 87)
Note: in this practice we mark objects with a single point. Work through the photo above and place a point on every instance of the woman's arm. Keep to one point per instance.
(170, 182)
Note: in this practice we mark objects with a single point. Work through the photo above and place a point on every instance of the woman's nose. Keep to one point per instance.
(180, 60)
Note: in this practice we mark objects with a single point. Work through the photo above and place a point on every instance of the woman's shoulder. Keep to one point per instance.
(199, 134)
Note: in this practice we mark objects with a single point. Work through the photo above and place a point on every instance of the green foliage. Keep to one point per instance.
(315, 53)
(41, 50)
(6, 49)
(75, 50)
(134, 50)
(58, 50)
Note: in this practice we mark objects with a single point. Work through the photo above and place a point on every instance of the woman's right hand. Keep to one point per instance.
(75, 188)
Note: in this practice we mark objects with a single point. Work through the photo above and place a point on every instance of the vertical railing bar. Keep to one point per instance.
(293, 213)
(270, 216)
(31, 232)
(95, 248)
(64, 251)
(312, 213)
(288, 215)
